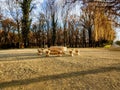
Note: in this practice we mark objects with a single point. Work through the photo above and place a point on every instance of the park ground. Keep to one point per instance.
(93, 69)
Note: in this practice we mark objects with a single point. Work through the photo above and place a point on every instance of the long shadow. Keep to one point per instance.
(16, 55)
(58, 76)
(25, 56)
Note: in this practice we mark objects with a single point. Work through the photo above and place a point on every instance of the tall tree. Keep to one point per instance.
(42, 25)
(51, 5)
(26, 22)
(86, 21)
(103, 30)
(65, 12)
(47, 16)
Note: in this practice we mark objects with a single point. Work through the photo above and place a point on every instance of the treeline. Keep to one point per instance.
(91, 26)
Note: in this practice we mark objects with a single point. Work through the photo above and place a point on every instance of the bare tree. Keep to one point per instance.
(16, 14)
(52, 7)
(87, 21)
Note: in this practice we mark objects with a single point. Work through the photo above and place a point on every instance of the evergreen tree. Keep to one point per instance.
(26, 9)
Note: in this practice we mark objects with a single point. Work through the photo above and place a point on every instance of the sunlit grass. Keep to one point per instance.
(93, 69)
(107, 46)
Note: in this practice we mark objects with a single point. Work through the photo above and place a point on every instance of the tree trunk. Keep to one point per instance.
(54, 30)
(90, 36)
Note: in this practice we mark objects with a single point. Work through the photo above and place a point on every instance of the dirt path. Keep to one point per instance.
(94, 69)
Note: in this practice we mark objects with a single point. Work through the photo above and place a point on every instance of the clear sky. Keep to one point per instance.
(41, 0)
(117, 34)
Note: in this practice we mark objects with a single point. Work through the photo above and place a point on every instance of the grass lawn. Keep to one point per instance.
(93, 69)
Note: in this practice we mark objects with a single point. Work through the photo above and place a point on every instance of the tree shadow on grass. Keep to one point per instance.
(25, 56)
(59, 76)
(17, 55)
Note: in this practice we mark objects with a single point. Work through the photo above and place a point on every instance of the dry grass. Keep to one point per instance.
(94, 69)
